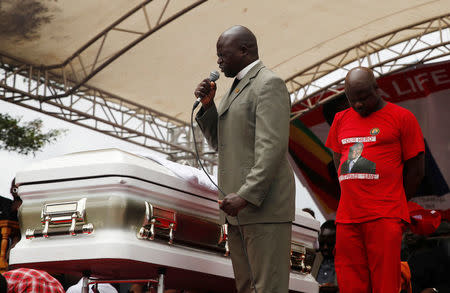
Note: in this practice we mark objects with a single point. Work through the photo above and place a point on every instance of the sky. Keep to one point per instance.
(78, 138)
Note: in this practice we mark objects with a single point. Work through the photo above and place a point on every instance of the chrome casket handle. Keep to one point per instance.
(56, 217)
(158, 219)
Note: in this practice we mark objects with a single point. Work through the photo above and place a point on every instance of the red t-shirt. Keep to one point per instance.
(372, 180)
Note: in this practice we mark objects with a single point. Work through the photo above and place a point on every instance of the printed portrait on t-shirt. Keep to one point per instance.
(355, 163)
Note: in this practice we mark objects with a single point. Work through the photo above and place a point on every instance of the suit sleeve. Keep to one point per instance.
(207, 120)
(271, 140)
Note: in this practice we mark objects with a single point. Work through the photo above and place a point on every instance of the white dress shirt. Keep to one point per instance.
(246, 69)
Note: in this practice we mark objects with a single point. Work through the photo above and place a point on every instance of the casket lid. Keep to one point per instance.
(95, 163)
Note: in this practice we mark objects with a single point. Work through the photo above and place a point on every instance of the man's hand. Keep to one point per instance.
(206, 91)
(232, 204)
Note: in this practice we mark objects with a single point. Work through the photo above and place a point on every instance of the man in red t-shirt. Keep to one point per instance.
(372, 207)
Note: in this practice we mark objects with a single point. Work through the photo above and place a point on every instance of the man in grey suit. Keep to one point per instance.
(250, 130)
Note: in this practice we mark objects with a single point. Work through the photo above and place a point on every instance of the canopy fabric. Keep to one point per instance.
(162, 71)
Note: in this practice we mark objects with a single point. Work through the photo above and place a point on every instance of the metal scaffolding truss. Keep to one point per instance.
(61, 91)
(103, 112)
(385, 54)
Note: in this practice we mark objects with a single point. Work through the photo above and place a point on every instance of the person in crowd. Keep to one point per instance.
(373, 206)
(250, 130)
(8, 207)
(26, 280)
(5, 208)
(428, 259)
(323, 268)
(17, 201)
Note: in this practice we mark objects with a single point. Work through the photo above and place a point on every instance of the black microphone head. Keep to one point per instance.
(214, 75)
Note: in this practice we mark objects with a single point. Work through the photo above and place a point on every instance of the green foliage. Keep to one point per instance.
(25, 138)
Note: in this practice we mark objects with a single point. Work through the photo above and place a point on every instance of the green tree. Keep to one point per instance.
(24, 137)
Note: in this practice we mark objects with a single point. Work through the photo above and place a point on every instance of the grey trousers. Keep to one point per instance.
(268, 247)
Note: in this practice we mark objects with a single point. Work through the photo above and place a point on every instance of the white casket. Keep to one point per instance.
(112, 214)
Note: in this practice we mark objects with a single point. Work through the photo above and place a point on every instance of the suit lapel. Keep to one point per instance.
(231, 96)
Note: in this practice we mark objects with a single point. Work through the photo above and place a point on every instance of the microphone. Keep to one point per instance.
(213, 76)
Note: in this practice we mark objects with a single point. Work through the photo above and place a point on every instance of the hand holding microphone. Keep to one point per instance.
(206, 90)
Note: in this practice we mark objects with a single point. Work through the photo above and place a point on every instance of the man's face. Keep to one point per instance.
(229, 56)
(355, 152)
(363, 98)
(327, 242)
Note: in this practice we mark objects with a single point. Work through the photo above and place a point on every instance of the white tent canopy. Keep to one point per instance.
(162, 69)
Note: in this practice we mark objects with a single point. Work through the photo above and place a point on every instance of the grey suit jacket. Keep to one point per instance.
(250, 130)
